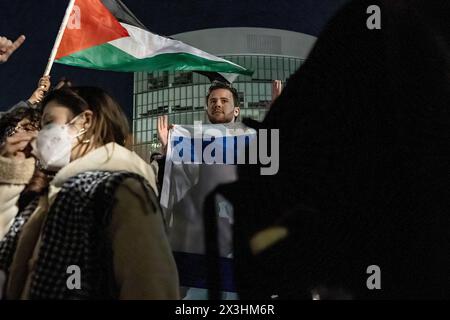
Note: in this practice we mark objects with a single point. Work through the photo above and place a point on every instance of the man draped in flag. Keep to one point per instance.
(187, 184)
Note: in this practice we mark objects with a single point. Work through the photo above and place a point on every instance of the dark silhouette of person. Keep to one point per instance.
(364, 164)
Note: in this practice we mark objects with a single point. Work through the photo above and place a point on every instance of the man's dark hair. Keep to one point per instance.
(221, 85)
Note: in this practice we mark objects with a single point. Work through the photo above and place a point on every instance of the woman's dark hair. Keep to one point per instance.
(109, 121)
(10, 120)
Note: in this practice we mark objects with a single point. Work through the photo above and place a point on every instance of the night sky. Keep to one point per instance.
(39, 21)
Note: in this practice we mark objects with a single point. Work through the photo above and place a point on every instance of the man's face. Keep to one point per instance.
(221, 107)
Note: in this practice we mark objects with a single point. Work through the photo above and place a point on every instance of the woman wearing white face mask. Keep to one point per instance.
(98, 233)
(53, 145)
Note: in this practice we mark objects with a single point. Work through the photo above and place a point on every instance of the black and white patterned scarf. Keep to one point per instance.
(75, 234)
(9, 242)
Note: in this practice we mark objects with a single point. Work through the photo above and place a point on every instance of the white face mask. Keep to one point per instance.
(53, 145)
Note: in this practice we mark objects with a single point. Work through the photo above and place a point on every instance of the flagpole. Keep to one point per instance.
(62, 28)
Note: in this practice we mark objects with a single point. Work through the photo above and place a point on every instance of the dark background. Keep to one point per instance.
(39, 21)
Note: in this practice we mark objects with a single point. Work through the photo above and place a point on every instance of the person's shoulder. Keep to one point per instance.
(136, 188)
(133, 200)
(134, 184)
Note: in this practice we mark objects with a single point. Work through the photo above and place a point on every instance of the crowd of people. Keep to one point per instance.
(363, 180)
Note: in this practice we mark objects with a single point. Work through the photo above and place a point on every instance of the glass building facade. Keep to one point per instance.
(181, 95)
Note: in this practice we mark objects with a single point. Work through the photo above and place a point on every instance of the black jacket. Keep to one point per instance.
(364, 162)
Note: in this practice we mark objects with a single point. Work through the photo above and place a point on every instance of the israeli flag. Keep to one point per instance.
(199, 158)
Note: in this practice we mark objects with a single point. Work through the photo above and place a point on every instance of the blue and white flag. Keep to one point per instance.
(199, 158)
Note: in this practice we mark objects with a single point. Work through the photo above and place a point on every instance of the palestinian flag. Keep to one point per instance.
(105, 35)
